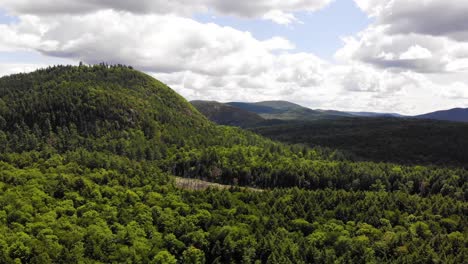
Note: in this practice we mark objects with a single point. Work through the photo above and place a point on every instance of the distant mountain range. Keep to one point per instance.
(372, 114)
(456, 115)
(284, 110)
(244, 114)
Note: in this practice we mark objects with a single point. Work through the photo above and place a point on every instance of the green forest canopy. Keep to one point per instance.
(87, 155)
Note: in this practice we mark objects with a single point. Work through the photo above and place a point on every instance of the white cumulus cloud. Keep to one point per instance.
(416, 52)
(276, 11)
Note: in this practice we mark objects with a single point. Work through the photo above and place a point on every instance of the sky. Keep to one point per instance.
(403, 56)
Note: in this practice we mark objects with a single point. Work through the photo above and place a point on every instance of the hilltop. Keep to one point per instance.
(68, 107)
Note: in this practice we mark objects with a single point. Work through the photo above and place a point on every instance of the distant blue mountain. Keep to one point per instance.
(372, 114)
(456, 114)
(284, 110)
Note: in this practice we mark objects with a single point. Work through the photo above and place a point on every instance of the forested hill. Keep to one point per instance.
(103, 108)
(456, 114)
(225, 114)
(87, 159)
(284, 110)
(92, 102)
(98, 111)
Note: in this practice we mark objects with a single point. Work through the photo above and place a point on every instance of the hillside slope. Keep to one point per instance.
(284, 110)
(456, 115)
(224, 114)
(266, 107)
(68, 107)
(99, 111)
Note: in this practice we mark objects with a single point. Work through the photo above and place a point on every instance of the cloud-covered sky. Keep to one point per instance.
(406, 56)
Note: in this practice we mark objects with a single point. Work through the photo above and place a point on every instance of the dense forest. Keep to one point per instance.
(405, 141)
(88, 155)
(375, 137)
(55, 210)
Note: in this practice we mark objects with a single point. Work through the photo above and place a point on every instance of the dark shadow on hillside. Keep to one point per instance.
(404, 141)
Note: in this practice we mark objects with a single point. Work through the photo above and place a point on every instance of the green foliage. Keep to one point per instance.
(164, 257)
(86, 177)
(314, 169)
(108, 110)
(193, 255)
(147, 220)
